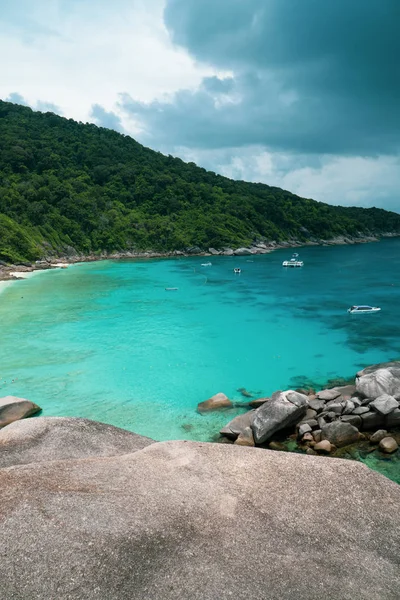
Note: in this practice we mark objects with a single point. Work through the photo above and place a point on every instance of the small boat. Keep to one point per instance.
(171, 289)
(293, 262)
(363, 308)
(295, 255)
(208, 264)
(237, 270)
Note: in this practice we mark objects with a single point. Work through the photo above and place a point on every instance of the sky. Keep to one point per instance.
(300, 94)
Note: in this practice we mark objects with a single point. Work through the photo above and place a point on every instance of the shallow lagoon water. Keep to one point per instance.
(106, 341)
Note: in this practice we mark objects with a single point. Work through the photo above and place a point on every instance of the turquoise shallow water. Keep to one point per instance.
(106, 341)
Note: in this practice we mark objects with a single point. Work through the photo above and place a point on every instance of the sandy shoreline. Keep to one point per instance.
(11, 273)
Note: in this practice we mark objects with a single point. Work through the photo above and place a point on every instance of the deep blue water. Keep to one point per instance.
(106, 341)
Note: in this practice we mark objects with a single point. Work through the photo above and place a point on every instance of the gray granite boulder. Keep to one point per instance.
(13, 408)
(317, 405)
(360, 410)
(378, 436)
(304, 428)
(327, 395)
(237, 426)
(384, 404)
(349, 406)
(354, 420)
(340, 433)
(379, 379)
(63, 438)
(284, 409)
(194, 521)
(336, 407)
(346, 392)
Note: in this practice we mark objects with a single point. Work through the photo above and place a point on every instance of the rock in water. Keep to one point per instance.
(13, 408)
(388, 445)
(380, 379)
(284, 409)
(340, 434)
(237, 426)
(214, 403)
(59, 438)
(198, 521)
(378, 436)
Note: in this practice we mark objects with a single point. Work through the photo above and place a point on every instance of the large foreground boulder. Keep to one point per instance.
(13, 408)
(284, 409)
(63, 438)
(197, 521)
(380, 379)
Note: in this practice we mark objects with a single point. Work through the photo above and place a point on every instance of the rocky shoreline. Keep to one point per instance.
(13, 272)
(325, 422)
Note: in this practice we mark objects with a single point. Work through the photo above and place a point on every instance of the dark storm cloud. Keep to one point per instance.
(307, 76)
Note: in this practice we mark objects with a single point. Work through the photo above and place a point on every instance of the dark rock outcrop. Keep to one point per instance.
(46, 439)
(194, 521)
(284, 409)
(340, 434)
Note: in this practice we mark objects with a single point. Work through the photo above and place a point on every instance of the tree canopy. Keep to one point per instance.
(68, 184)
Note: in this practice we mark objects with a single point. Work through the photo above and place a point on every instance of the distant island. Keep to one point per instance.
(71, 188)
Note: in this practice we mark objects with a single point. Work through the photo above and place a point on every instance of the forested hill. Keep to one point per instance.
(64, 183)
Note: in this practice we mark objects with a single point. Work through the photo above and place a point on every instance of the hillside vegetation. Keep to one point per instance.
(67, 184)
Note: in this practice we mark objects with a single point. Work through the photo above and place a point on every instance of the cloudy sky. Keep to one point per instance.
(301, 94)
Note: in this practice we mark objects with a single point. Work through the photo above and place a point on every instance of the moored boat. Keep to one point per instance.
(363, 308)
(293, 262)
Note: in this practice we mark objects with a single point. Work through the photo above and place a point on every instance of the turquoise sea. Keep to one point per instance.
(106, 341)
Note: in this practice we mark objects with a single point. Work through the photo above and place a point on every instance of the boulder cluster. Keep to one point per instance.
(329, 419)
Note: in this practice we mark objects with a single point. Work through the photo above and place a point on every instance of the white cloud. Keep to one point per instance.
(355, 181)
(78, 54)
(75, 54)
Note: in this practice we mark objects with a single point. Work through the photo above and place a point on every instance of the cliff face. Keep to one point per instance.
(124, 519)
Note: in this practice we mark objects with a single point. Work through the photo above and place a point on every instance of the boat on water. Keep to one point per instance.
(363, 308)
(237, 270)
(207, 264)
(293, 262)
(171, 289)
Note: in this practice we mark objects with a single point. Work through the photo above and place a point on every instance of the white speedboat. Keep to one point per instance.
(237, 270)
(293, 262)
(363, 308)
(207, 264)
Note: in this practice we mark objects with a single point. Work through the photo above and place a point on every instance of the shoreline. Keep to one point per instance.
(9, 273)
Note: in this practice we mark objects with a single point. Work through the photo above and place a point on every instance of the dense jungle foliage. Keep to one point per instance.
(67, 184)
